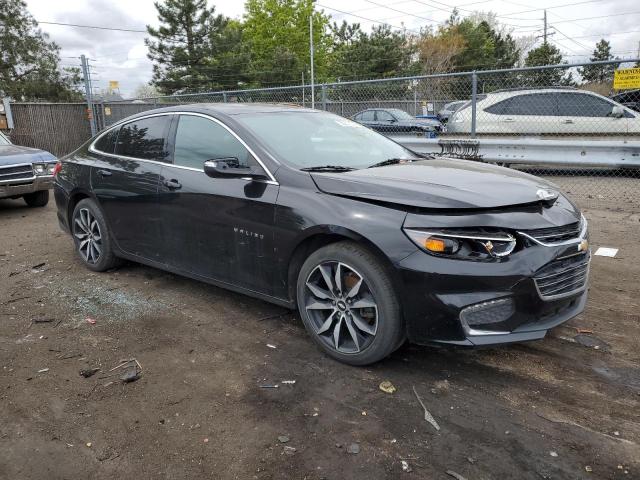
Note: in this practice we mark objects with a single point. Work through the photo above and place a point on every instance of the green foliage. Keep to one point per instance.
(357, 55)
(277, 37)
(546, 54)
(29, 62)
(484, 48)
(600, 73)
(194, 49)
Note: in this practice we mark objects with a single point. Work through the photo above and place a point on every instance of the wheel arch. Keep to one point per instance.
(321, 236)
(74, 198)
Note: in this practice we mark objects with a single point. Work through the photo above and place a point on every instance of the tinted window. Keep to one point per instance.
(583, 105)
(383, 116)
(539, 104)
(199, 139)
(144, 138)
(107, 142)
(368, 116)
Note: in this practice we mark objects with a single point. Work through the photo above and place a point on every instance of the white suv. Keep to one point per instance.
(560, 111)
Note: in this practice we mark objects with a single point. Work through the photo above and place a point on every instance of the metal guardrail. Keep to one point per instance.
(532, 151)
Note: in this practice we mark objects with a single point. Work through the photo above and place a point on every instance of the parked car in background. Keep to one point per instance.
(371, 242)
(552, 111)
(449, 109)
(630, 99)
(25, 173)
(394, 120)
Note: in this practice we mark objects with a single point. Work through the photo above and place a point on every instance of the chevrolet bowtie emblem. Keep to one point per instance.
(583, 246)
(546, 195)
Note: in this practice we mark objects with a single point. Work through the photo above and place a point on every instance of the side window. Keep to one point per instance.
(583, 105)
(107, 142)
(358, 117)
(537, 104)
(368, 116)
(199, 139)
(383, 116)
(145, 138)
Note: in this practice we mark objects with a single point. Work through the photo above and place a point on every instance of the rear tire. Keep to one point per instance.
(37, 199)
(348, 304)
(92, 238)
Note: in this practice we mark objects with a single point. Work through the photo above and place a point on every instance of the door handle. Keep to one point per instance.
(567, 121)
(172, 184)
(508, 120)
(104, 173)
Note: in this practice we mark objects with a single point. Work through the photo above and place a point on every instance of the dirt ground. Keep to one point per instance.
(552, 409)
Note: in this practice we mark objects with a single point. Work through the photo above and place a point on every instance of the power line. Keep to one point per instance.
(506, 15)
(92, 26)
(367, 19)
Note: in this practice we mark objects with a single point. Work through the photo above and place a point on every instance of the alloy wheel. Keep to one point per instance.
(341, 307)
(87, 230)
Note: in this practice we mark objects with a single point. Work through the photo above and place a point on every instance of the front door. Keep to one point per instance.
(217, 228)
(125, 181)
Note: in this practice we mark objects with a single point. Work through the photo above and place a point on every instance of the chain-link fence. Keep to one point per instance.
(543, 120)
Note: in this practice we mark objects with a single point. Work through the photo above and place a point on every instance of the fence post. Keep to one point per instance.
(324, 97)
(224, 97)
(87, 89)
(474, 98)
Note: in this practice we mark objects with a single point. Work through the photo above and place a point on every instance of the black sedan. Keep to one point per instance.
(372, 243)
(394, 120)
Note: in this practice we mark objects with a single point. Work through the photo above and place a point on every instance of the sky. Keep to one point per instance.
(122, 56)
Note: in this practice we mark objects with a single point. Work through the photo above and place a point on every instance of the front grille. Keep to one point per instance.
(16, 173)
(563, 277)
(556, 234)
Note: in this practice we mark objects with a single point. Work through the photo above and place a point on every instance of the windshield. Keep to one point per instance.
(4, 140)
(311, 139)
(400, 114)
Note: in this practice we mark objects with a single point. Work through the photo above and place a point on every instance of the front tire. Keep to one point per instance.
(91, 237)
(348, 304)
(37, 199)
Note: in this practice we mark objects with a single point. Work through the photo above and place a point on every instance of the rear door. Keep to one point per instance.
(218, 228)
(125, 182)
(531, 113)
(584, 113)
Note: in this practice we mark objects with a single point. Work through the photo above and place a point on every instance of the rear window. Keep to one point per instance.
(145, 139)
(537, 104)
(107, 142)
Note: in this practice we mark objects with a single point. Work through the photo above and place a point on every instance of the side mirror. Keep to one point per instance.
(393, 120)
(617, 111)
(230, 168)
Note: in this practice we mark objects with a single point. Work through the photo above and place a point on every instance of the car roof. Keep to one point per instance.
(230, 109)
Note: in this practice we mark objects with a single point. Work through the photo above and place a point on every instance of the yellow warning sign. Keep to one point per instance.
(626, 78)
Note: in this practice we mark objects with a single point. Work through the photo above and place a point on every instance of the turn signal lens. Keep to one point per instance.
(57, 168)
(434, 245)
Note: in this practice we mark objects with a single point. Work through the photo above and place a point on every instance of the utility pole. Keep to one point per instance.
(545, 26)
(303, 99)
(88, 93)
(313, 93)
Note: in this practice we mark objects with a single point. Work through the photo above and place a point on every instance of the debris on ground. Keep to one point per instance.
(427, 416)
(592, 341)
(353, 449)
(283, 438)
(271, 346)
(89, 444)
(288, 382)
(89, 372)
(38, 268)
(455, 475)
(91, 321)
(290, 450)
(606, 252)
(43, 320)
(441, 387)
(387, 387)
(269, 386)
(405, 466)
(553, 454)
(588, 468)
(43, 370)
(132, 367)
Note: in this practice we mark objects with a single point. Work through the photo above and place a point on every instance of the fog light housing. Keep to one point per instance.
(478, 319)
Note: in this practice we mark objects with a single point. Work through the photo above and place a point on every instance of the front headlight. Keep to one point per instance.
(38, 168)
(51, 167)
(465, 244)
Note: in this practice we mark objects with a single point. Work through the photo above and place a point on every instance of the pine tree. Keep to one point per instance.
(600, 73)
(192, 48)
(29, 61)
(545, 54)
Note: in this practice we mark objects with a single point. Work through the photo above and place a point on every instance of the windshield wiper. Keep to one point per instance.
(390, 161)
(327, 168)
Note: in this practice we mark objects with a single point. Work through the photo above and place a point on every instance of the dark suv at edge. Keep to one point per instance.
(372, 243)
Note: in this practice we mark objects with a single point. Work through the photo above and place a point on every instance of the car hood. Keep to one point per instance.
(13, 154)
(437, 184)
